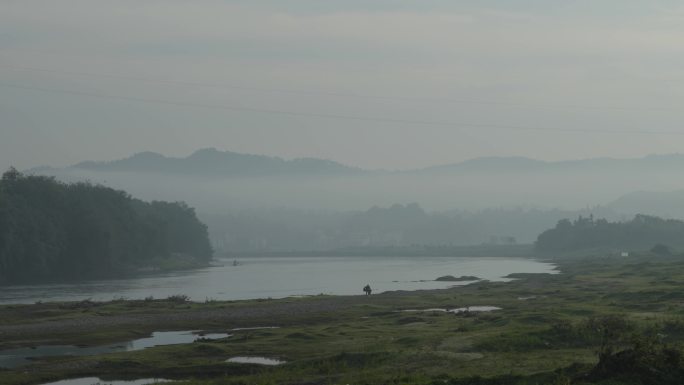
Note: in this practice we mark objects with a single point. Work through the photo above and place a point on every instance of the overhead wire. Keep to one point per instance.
(334, 116)
(220, 85)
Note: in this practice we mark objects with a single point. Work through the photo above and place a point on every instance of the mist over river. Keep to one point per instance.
(278, 277)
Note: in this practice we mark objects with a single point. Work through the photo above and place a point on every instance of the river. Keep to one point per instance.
(278, 277)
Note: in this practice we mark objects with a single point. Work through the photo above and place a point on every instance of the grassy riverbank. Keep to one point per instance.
(550, 329)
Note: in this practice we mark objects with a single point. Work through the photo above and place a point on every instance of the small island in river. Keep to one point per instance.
(451, 278)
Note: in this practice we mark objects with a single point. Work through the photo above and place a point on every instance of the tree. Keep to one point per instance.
(661, 249)
(55, 231)
(640, 233)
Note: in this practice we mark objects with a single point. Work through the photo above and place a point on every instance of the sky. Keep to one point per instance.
(376, 83)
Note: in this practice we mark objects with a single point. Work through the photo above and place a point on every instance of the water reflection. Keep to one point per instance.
(97, 381)
(255, 360)
(11, 358)
(458, 310)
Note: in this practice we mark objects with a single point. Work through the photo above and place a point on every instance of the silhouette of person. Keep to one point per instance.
(367, 289)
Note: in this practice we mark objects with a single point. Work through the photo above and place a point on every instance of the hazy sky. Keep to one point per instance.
(372, 83)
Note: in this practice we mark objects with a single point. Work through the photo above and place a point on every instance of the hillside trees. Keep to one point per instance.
(51, 231)
(641, 233)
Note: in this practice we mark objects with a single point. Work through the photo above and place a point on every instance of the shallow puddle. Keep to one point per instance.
(255, 360)
(458, 310)
(255, 328)
(97, 381)
(171, 338)
(11, 358)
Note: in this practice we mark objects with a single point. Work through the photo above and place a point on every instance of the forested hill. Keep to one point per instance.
(641, 233)
(52, 231)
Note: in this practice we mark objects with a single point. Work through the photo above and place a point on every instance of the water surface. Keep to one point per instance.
(11, 358)
(97, 381)
(255, 360)
(458, 309)
(278, 277)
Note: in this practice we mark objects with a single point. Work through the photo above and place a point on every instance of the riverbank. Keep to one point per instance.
(544, 330)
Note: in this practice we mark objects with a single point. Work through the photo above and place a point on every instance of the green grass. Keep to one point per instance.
(547, 338)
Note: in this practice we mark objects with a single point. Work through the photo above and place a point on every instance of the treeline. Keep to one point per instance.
(277, 230)
(641, 233)
(52, 231)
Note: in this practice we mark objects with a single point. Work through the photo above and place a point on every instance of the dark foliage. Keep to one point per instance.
(52, 231)
(641, 233)
(661, 249)
(646, 362)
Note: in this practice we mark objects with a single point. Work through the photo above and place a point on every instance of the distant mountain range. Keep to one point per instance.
(658, 163)
(214, 180)
(212, 162)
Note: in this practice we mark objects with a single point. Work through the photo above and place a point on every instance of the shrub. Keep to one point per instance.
(178, 298)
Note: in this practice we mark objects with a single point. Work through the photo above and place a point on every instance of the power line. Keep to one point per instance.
(334, 94)
(332, 116)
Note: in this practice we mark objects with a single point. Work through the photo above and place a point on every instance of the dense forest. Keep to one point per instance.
(644, 232)
(52, 231)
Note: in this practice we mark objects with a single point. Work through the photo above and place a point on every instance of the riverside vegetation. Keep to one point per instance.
(56, 231)
(602, 320)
